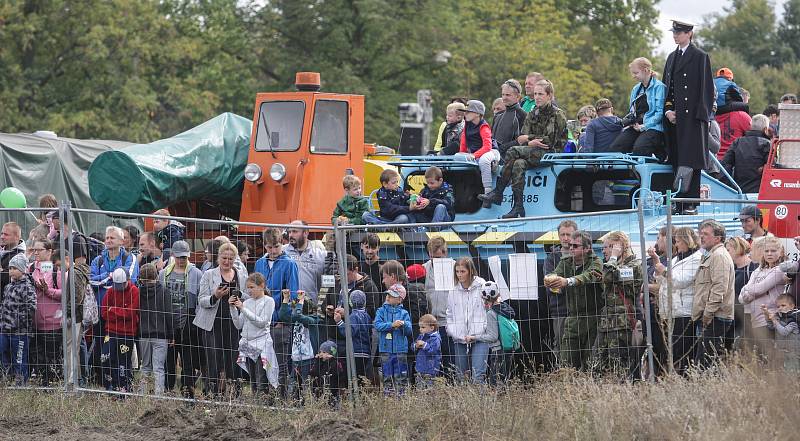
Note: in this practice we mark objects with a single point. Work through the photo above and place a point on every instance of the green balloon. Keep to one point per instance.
(12, 198)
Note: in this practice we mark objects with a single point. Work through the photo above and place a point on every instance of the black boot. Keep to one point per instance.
(517, 210)
(495, 196)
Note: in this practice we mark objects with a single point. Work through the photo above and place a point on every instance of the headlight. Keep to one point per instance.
(277, 172)
(252, 172)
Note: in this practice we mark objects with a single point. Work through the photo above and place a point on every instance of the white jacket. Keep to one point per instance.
(465, 312)
(683, 275)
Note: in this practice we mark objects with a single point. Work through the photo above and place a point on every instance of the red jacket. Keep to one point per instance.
(732, 126)
(120, 310)
(485, 133)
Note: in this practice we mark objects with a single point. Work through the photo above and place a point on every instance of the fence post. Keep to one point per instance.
(341, 255)
(62, 245)
(670, 318)
(648, 324)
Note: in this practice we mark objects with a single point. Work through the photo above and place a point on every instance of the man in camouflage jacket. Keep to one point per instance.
(544, 130)
(579, 277)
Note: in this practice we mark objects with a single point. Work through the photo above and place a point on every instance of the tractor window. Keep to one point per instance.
(329, 132)
(280, 126)
(586, 190)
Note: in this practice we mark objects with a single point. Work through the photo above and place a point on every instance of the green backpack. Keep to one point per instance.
(509, 333)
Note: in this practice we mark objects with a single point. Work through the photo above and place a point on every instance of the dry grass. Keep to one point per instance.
(740, 403)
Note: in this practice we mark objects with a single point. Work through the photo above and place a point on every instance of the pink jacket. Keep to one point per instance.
(764, 287)
(48, 303)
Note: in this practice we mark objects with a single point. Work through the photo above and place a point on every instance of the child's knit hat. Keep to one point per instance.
(19, 262)
(329, 347)
(358, 299)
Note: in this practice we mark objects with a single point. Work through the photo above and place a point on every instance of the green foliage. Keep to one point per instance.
(145, 70)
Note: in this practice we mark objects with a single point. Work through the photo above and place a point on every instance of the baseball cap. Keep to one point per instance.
(397, 290)
(415, 272)
(749, 211)
(475, 106)
(725, 72)
(180, 249)
(120, 279)
(329, 347)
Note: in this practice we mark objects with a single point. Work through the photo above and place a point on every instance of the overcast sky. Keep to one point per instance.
(693, 12)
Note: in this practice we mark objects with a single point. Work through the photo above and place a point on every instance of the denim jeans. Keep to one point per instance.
(440, 214)
(14, 350)
(370, 218)
(473, 358)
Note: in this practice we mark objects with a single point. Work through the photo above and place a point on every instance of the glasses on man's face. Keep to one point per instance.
(572, 246)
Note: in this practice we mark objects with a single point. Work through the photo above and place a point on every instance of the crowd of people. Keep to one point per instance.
(279, 321)
(145, 316)
(687, 120)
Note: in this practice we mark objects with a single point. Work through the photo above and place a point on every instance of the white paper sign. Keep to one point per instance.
(523, 276)
(497, 275)
(443, 273)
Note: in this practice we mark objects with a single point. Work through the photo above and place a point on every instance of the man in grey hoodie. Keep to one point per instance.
(181, 280)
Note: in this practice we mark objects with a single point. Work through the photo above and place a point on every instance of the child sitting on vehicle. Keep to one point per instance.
(428, 346)
(450, 135)
(394, 204)
(784, 322)
(477, 144)
(436, 201)
(352, 206)
(168, 231)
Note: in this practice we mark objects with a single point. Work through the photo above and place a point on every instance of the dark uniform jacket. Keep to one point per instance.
(690, 94)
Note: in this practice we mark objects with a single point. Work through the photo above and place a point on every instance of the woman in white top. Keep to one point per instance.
(676, 309)
(466, 319)
(763, 288)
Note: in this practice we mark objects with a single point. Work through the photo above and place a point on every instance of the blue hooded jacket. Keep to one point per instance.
(656, 98)
(102, 267)
(282, 275)
(361, 328)
(429, 357)
(398, 342)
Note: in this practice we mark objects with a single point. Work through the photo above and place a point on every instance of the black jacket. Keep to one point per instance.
(451, 138)
(157, 319)
(416, 303)
(745, 160)
(506, 127)
(5, 259)
(690, 94)
(442, 195)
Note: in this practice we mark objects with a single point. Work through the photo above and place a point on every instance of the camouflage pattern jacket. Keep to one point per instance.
(622, 283)
(586, 297)
(548, 123)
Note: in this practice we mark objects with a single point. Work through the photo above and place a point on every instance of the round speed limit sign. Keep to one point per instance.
(781, 211)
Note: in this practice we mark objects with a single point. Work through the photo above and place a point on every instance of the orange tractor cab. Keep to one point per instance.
(301, 146)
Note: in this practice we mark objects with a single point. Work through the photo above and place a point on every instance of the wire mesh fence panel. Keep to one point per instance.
(203, 309)
(727, 285)
(469, 302)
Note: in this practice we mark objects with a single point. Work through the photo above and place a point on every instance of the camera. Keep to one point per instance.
(629, 119)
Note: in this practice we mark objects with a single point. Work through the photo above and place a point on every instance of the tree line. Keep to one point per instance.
(141, 71)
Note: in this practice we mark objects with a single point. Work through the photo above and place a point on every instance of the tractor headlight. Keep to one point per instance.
(277, 172)
(252, 172)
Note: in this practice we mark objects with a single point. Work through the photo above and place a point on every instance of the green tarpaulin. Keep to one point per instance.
(204, 163)
(37, 165)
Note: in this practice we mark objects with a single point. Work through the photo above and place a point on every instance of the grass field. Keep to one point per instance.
(742, 403)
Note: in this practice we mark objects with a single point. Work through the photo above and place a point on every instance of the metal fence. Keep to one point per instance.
(180, 334)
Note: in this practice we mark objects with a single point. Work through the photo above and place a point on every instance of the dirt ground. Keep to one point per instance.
(171, 421)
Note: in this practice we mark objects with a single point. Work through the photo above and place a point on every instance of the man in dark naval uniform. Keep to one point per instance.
(690, 95)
